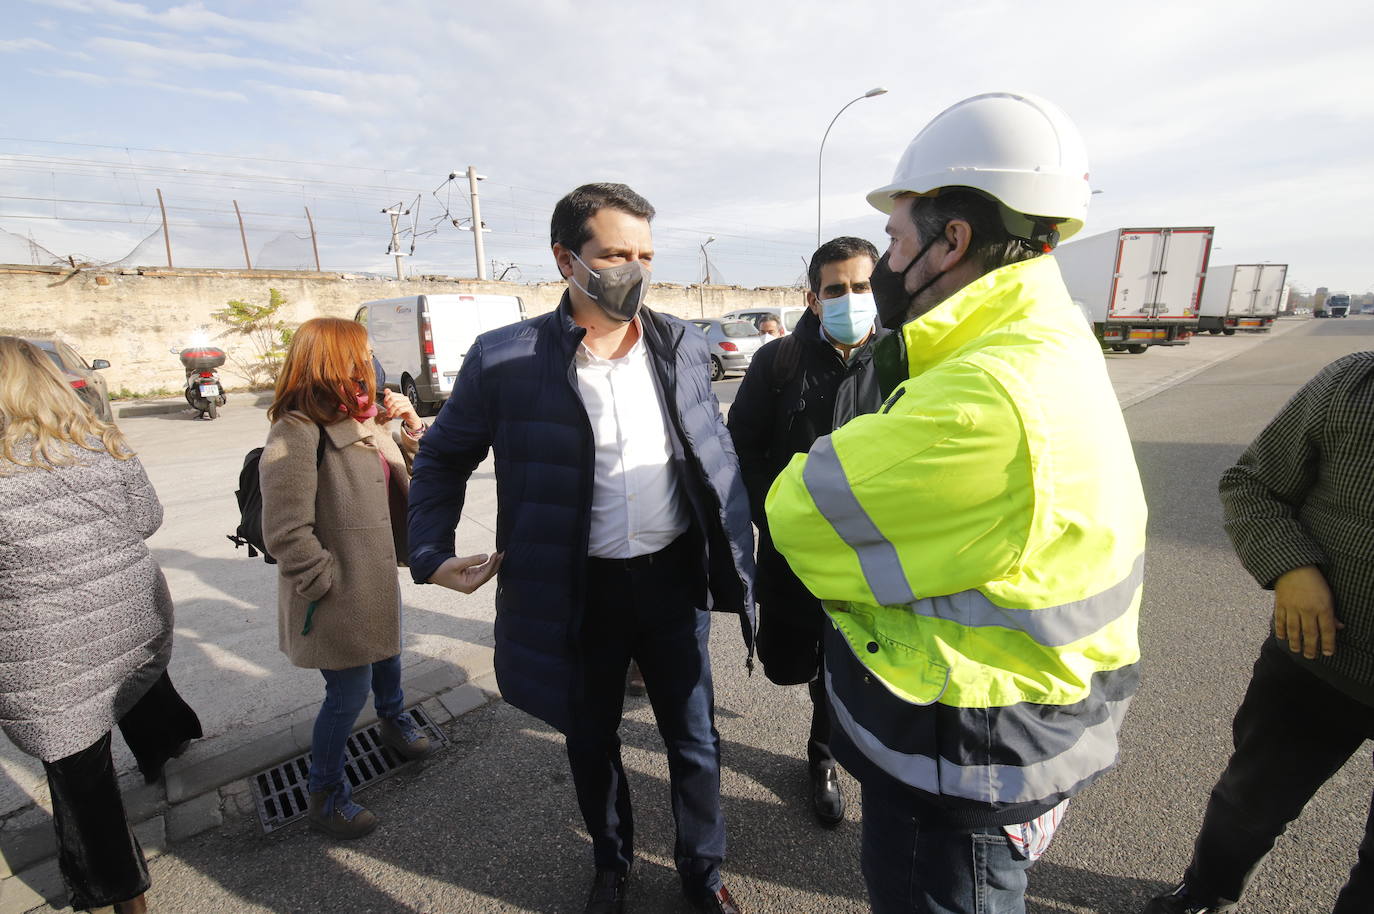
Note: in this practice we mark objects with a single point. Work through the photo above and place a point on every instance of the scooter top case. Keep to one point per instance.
(202, 358)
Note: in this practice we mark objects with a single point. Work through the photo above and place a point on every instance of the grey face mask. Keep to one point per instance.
(618, 291)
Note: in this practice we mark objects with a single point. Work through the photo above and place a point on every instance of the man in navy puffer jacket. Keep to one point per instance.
(621, 522)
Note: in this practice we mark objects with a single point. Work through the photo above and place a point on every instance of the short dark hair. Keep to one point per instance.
(846, 247)
(992, 246)
(569, 224)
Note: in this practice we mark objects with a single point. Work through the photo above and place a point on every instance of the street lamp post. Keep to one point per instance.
(706, 261)
(869, 94)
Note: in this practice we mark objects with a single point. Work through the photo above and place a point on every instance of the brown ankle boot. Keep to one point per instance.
(405, 739)
(336, 824)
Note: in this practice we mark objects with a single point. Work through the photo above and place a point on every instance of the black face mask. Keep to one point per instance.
(618, 291)
(889, 287)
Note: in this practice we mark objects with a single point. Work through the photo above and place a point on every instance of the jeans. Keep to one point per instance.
(640, 608)
(345, 693)
(97, 853)
(910, 869)
(1292, 732)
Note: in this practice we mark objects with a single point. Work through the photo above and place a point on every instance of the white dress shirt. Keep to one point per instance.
(636, 504)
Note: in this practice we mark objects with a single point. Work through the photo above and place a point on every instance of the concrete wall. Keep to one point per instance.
(133, 317)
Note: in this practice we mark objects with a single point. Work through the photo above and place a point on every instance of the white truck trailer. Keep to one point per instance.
(1244, 296)
(1139, 287)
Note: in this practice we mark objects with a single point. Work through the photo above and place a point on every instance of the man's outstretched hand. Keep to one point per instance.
(1305, 613)
(466, 573)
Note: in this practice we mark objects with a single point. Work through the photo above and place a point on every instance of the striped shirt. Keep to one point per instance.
(1031, 839)
(1303, 494)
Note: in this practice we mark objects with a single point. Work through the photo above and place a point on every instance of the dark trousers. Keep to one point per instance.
(1292, 732)
(97, 852)
(913, 868)
(818, 744)
(642, 609)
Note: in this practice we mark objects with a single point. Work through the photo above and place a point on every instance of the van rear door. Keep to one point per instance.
(456, 320)
(455, 323)
(498, 311)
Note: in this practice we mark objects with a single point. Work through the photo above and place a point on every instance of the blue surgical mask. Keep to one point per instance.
(849, 318)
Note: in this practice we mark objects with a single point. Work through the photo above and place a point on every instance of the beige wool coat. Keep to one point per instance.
(336, 533)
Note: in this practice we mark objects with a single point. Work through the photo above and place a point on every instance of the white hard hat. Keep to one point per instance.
(1017, 148)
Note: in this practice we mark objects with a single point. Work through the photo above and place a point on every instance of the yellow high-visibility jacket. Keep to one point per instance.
(979, 545)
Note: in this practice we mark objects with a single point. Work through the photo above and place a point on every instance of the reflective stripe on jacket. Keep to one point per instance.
(979, 543)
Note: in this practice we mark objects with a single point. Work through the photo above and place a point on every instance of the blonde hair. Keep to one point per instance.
(37, 402)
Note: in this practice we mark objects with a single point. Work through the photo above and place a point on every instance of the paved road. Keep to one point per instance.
(491, 824)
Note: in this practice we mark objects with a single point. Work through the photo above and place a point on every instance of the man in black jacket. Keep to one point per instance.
(621, 521)
(797, 389)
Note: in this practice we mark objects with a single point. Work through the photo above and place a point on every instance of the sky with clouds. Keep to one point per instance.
(1253, 117)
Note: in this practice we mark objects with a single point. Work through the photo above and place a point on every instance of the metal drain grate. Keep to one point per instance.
(282, 793)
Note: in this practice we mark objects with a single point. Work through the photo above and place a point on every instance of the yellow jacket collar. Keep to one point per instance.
(993, 300)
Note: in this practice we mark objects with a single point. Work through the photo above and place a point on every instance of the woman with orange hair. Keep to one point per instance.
(334, 490)
(86, 632)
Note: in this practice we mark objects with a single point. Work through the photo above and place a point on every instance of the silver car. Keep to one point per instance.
(732, 344)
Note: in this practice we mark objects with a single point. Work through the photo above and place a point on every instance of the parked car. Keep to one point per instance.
(88, 385)
(732, 344)
(788, 315)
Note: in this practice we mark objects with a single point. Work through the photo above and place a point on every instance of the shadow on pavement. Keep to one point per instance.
(1053, 885)
(24, 846)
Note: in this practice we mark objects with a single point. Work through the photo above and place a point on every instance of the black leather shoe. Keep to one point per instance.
(718, 902)
(608, 893)
(826, 800)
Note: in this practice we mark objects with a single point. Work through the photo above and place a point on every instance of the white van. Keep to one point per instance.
(421, 339)
(787, 315)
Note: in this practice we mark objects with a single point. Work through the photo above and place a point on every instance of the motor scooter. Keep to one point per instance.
(204, 392)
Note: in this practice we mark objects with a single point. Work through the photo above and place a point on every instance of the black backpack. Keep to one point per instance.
(249, 496)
